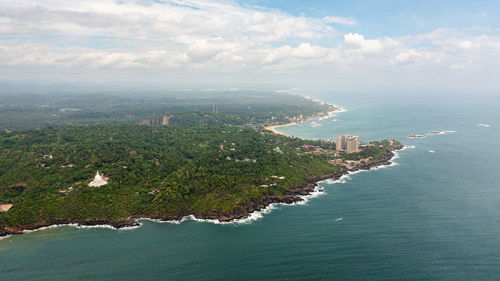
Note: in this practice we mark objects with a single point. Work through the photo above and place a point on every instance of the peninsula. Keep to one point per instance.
(222, 166)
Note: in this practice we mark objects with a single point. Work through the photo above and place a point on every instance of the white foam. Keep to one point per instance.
(50, 226)
(5, 237)
(162, 221)
(318, 191)
(104, 226)
(339, 219)
(315, 125)
(432, 151)
(441, 132)
(338, 108)
(257, 215)
(79, 226)
(125, 228)
(328, 181)
(484, 125)
(391, 161)
(406, 147)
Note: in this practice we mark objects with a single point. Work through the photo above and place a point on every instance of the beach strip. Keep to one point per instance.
(273, 128)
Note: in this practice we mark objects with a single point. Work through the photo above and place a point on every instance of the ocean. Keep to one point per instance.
(432, 215)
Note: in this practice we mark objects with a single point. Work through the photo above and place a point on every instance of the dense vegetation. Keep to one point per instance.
(29, 111)
(189, 167)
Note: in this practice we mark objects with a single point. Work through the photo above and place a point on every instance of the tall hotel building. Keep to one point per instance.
(347, 144)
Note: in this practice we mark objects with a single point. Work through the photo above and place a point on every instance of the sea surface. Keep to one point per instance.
(435, 215)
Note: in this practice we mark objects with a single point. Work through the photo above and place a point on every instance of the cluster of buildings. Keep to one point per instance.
(163, 120)
(349, 164)
(308, 147)
(347, 144)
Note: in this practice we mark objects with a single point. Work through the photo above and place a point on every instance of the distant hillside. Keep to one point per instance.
(21, 112)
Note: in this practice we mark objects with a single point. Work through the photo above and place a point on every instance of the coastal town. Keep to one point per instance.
(345, 145)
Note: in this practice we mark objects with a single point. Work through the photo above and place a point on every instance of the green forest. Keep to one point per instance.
(248, 108)
(160, 171)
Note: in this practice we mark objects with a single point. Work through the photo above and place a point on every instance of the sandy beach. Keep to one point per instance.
(328, 114)
(273, 128)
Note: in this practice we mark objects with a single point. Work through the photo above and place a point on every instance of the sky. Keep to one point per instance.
(343, 46)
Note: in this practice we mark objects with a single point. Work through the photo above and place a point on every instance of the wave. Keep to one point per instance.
(315, 125)
(405, 148)
(50, 226)
(432, 133)
(162, 221)
(484, 125)
(78, 226)
(338, 109)
(5, 237)
(432, 151)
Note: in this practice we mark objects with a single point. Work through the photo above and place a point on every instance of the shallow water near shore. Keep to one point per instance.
(431, 216)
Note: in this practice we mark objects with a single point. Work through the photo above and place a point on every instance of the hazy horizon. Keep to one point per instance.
(348, 47)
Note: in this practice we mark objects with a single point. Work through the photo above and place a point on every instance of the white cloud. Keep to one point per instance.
(467, 44)
(144, 36)
(358, 41)
(278, 55)
(340, 20)
(308, 51)
(410, 56)
(304, 51)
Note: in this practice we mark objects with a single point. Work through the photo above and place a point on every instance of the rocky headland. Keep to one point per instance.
(290, 196)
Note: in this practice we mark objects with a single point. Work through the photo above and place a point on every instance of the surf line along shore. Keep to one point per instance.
(273, 128)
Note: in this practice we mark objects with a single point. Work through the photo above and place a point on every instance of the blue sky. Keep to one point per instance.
(396, 18)
(345, 45)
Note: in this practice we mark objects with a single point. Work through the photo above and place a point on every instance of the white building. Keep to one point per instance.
(5, 207)
(98, 180)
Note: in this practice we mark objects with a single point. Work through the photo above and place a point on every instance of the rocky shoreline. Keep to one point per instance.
(291, 196)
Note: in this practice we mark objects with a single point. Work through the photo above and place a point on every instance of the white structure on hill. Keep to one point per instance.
(98, 181)
(5, 207)
(347, 144)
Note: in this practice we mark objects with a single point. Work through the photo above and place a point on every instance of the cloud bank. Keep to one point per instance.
(108, 39)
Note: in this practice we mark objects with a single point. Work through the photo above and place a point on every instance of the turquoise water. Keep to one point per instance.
(433, 216)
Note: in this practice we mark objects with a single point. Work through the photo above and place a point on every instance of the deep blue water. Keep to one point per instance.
(433, 216)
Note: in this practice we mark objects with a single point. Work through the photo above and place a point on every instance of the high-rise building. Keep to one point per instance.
(352, 144)
(340, 144)
(347, 144)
